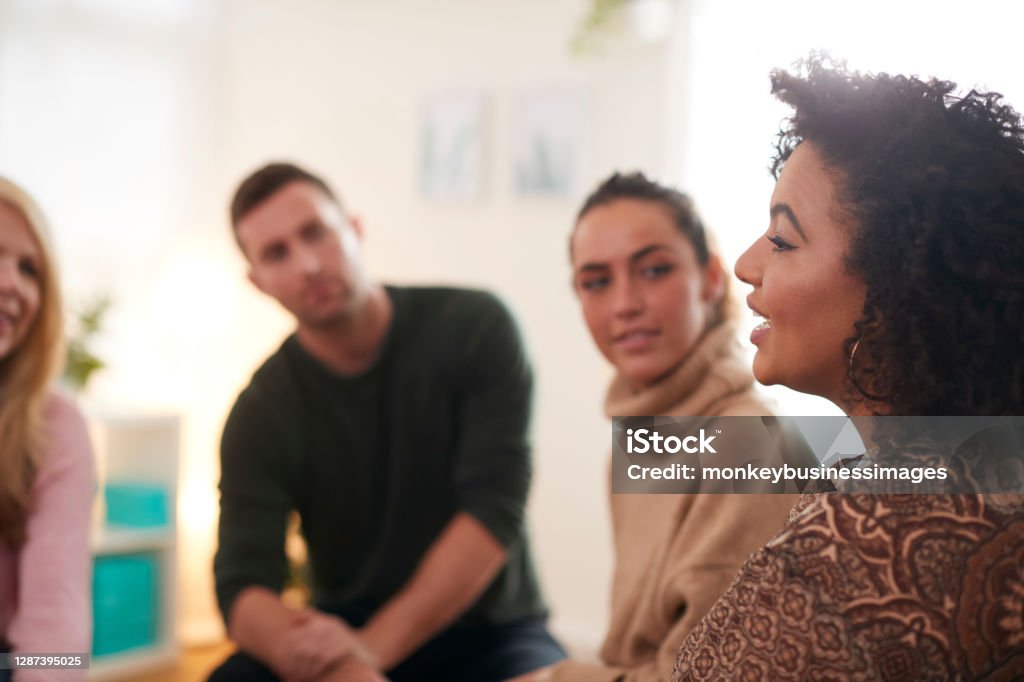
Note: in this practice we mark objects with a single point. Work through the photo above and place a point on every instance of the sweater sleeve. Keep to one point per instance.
(705, 552)
(54, 566)
(493, 469)
(700, 587)
(254, 506)
(577, 671)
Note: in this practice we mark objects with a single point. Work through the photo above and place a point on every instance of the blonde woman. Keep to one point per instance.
(46, 465)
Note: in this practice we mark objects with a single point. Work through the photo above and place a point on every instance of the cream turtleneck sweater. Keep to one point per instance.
(676, 554)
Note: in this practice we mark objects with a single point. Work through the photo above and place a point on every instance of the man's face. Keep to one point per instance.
(305, 253)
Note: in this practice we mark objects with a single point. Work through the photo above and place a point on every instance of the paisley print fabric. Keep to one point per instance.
(874, 587)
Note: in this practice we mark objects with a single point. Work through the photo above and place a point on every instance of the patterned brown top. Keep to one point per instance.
(874, 587)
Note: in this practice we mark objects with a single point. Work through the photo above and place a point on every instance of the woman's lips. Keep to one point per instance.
(636, 340)
(760, 332)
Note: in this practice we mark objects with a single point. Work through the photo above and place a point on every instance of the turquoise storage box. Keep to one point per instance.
(125, 602)
(136, 505)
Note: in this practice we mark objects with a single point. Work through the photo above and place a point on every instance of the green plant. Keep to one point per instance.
(595, 25)
(81, 362)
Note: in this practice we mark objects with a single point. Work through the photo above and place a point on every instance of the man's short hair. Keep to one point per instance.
(266, 181)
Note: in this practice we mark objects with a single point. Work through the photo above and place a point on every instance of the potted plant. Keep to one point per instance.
(646, 20)
(81, 363)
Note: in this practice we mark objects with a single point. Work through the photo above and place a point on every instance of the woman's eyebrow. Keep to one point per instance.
(633, 257)
(784, 209)
(650, 248)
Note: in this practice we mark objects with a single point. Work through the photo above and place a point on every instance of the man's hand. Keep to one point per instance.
(453, 573)
(353, 670)
(314, 643)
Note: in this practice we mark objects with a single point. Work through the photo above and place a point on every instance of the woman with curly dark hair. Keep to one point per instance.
(891, 281)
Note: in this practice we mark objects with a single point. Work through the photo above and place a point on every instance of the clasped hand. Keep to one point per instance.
(322, 648)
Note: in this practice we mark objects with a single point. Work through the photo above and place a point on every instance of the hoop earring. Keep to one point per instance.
(853, 353)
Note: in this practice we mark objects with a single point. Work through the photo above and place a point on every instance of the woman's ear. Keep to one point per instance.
(714, 280)
(357, 226)
(254, 278)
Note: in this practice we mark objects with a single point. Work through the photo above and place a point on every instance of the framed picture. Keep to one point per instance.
(547, 141)
(452, 145)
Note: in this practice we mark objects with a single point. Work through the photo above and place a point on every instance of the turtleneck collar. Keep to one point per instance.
(714, 369)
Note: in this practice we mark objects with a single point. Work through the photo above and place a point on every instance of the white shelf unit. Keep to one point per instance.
(139, 449)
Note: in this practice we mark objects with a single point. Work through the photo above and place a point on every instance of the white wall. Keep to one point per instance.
(337, 86)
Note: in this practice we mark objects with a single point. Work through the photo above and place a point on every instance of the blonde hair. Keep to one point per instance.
(25, 377)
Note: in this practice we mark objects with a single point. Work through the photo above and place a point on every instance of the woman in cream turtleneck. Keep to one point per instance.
(656, 302)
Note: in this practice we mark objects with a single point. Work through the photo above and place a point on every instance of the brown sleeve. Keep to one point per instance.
(765, 626)
(849, 591)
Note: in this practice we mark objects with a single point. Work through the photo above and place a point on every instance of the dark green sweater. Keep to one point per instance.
(377, 464)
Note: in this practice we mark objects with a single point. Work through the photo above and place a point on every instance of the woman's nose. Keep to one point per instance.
(748, 266)
(8, 274)
(628, 299)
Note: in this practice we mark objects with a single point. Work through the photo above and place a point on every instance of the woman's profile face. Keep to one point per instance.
(645, 298)
(802, 287)
(20, 277)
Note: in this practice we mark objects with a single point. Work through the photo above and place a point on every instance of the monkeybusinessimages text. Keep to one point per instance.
(645, 441)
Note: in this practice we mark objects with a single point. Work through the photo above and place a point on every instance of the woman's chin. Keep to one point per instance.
(765, 373)
(638, 375)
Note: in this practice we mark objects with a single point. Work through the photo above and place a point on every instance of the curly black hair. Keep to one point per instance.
(932, 184)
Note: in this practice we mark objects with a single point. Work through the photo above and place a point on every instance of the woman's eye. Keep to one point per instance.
(656, 271)
(315, 231)
(594, 283)
(275, 254)
(29, 269)
(779, 244)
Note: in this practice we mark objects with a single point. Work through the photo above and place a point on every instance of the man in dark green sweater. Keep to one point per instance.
(394, 421)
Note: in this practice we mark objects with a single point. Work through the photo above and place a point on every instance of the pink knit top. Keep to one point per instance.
(45, 604)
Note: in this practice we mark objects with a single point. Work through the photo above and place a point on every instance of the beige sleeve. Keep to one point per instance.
(696, 590)
(575, 671)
